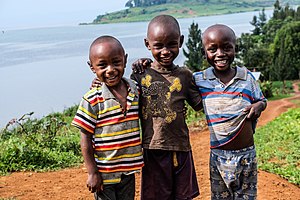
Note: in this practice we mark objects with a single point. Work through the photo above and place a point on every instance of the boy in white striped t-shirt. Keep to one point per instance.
(232, 101)
(108, 119)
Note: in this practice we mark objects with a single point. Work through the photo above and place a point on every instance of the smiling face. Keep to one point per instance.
(219, 44)
(108, 60)
(164, 40)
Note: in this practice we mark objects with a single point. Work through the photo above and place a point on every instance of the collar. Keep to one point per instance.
(241, 73)
(132, 89)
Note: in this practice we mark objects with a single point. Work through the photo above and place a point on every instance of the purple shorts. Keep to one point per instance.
(168, 175)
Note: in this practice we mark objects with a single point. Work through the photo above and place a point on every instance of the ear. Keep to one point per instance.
(146, 42)
(181, 41)
(202, 51)
(236, 48)
(91, 66)
(125, 60)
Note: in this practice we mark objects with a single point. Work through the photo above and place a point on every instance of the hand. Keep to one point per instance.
(140, 65)
(96, 83)
(95, 182)
(185, 111)
(254, 111)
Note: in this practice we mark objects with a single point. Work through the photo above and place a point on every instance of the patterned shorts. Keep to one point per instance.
(233, 174)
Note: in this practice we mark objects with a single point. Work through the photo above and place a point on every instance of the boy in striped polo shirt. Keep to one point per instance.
(232, 102)
(108, 120)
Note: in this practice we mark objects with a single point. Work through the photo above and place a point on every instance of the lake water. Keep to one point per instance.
(44, 70)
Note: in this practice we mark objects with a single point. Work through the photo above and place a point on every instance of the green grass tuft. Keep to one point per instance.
(278, 146)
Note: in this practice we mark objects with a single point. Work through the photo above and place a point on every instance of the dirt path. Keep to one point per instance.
(70, 183)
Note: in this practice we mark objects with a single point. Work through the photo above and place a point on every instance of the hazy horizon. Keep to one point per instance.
(15, 14)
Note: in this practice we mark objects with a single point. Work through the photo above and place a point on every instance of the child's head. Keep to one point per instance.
(219, 45)
(107, 60)
(164, 40)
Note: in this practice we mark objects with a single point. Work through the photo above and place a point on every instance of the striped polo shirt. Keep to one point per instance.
(116, 133)
(224, 104)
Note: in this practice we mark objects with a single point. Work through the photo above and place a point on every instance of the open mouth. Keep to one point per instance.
(221, 62)
(111, 78)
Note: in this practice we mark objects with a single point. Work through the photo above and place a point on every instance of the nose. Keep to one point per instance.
(165, 50)
(220, 52)
(110, 69)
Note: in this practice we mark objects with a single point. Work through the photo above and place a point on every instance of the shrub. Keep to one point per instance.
(266, 88)
(46, 144)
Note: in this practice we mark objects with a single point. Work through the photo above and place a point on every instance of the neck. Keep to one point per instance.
(225, 76)
(119, 87)
(163, 68)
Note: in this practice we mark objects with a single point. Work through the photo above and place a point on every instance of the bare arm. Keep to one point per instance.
(94, 181)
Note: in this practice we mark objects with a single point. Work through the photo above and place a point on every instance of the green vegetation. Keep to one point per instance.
(193, 117)
(40, 145)
(278, 146)
(274, 90)
(272, 46)
(144, 10)
(194, 45)
(182, 9)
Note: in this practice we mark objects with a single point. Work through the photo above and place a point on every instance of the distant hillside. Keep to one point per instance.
(182, 9)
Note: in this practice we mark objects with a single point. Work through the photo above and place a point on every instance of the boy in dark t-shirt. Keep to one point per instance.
(169, 171)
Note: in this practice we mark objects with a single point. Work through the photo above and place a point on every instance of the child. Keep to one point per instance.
(169, 171)
(232, 102)
(108, 119)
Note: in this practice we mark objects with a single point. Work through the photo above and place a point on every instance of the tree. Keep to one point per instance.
(129, 4)
(194, 45)
(255, 23)
(285, 49)
(259, 23)
(262, 20)
(276, 11)
(253, 53)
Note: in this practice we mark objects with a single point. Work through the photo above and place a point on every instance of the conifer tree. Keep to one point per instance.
(194, 45)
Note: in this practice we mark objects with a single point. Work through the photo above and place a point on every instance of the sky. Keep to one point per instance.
(17, 14)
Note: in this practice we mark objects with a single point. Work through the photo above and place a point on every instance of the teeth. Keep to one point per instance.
(221, 62)
(111, 78)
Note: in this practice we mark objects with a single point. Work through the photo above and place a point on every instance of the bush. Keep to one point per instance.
(266, 88)
(46, 144)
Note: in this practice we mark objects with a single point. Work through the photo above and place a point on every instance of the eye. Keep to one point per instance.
(173, 44)
(158, 46)
(117, 62)
(102, 65)
(212, 49)
(228, 47)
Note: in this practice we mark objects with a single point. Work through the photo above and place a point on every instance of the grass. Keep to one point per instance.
(181, 10)
(46, 144)
(278, 146)
(279, 92)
